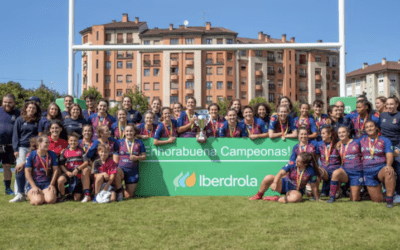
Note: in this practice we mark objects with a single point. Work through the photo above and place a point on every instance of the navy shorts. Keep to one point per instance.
(41, 185)
(356, 178)
(131, 176)
(74, 185)
(286, 187)
(371, 177)
(7, 157)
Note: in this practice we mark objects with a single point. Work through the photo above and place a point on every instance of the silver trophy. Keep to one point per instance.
(202, 121)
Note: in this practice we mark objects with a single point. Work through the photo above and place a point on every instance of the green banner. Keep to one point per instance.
(222, 166)
(349, 103)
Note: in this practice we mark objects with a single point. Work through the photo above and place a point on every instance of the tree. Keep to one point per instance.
(93, 91)
(273, 107)
(139, 100)
(45, 94)
(223, 106)
(257, 100)
(16, 89)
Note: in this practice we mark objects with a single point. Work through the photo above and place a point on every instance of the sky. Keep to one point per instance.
(34, 34)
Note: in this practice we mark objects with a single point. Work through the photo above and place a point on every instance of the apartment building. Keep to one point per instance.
(379, 79)
(173, 76)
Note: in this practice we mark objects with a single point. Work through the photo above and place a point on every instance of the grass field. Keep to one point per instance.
(198, 223)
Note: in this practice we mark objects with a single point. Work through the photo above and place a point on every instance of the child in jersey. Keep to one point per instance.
(73, 164)
(105, 171)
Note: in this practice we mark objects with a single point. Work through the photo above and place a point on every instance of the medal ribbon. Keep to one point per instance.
(102, 123)
(360, 130)
(169, 133)
(120, 130)
(130, 149)
(328, 153)
(46, 164)
(318, 119)
(189, 118)
(300, 148)
(301, 176)
(232, 129)
(252, 129)
(372, 148)
(343, 154)
(214, 127)
(287, 128)
(151, 131)
(86, 150)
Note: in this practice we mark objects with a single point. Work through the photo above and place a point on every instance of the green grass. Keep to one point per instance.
(198, 223)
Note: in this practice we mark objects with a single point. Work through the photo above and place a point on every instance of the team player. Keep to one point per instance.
(329, 156)
(254, 127)
(306, 120)
(148, 128)
(216, 121)
(304, 144)
(68, 101)
(90, 105)
(57, 144)
(297, 175)
(104, 139)
(131, 151)
(86, 142)
(73, 165)
(380, 104)
(285, 100)
(133, 116)
(319, 118)
(186, 123)
(107, 176)
(377, 163)
(53, 113)
(156, 106)
(336, 120)
(359, 118)
(262, 111)
(118, 128)
(282, 125)
(8, 116)
(166, 128)
(232, 128)
(41, 171)
(75, 121)
(351, 165)
(177, 108)
(101, 117)
(236, 105)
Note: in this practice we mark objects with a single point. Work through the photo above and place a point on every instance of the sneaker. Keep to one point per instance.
(396, 199)
(324, 195)
(389, 204)
(271, 198)
(312, 199)
(87, 198)
(255, 197)
(331, 200)
(120, 196)
(9, 191)
(18, 198)
(94, 199)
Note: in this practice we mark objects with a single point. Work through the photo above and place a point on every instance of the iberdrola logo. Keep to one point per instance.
(185, 180)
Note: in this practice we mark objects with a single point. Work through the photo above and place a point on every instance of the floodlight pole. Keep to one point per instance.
(342, 51)
(71, 54)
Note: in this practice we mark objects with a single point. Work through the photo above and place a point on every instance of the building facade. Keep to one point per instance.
(173, 76)
(380, 79)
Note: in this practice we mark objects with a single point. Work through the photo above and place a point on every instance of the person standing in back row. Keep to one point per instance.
(90, 105)
(68, 100)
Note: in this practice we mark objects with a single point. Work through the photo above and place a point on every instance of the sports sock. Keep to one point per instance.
(389, 198)
(118, 190)
(20, 178)
(7, 184)
(260, 194)
(86, 192)
(334, 187)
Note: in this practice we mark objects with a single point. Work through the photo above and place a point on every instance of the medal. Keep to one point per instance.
(372, 148)
(301, 176)
(130, 149)
(328, 154)
(283, 133)
(343, 154)
(121, 131)
(232, 129)
(45, 164)
(169, 133)
(252, 129)
(189, 118)
(360, 130)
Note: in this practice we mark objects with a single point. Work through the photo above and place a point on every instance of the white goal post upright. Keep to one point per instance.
(340, 45)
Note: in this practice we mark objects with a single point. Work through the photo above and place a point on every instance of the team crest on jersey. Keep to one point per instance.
(80, 125)
(384, 120)
(131, 116)
(394, 121)
(354, 148)
(291, 162)
(13, 118)
(273, 118)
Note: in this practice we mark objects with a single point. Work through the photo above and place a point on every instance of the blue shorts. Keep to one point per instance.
(371, 177)
(286, 187)
(131, 176)
(41, 185)
(74, 185)
(355, 177)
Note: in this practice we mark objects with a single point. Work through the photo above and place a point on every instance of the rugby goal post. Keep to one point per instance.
(72, 48)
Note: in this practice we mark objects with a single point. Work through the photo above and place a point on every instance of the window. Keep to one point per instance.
(97, 64)
(174, 85)
(120, 65)
(174, 71)
(120, 54)
(129, 54)
(271, 70)
(280, 83)
(129, 64)
(97, 35)
(85, 39)
(146, 42)
(333, 75)
(108, 37)
(208, 41)
(230, 57)
(302, 72)
(156, 86)
(243, 52)
(209, 85)
(156, 42)
(189, 56)
(230, 98)
(327, 86)
(220, 70)
(129, 38)
(108, 53)
(317, 59)
(156, 72)
(156, 59)
(303, 59)
(97, 77)
(107, 79)
(173, 99)
(209, 71)
(209, 99)
(189, 40)
(243, 66)
(119, 92)
(189, 71)
(270, 56)
(230, 71)
(220, 85)
(333, 86)
(128, 78)
(119, 78)
(243, 95)
(243, 80)
(107, 92)
(174, 41)
(290, 55)
(148, 99)
(280, 56)
(97, 52)
(220, 98)
(334, 62)
(229, 85)
(108, 65)
(189, 85)
(271, 97)
(280, 71)
(146, 72)
(209, 58)
(220, 41)
(128, 90)
(146, 86)
(259, 53)
(303, 87)
(220, 58)
(229, 41)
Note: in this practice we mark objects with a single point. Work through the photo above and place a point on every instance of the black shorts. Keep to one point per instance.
(7, 157)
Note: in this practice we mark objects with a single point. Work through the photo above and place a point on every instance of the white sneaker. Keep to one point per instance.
(18, 198)
(86, 199)
(396, 199)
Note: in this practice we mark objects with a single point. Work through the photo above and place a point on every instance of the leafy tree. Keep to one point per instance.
(296, 107)
(16, 89)
(45, 94)
(113, 111)
(93, 91)
(139, 100)
(223, 106)
(273, 107)
(257, 100)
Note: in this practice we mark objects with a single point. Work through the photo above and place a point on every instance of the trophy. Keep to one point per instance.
(202, 121)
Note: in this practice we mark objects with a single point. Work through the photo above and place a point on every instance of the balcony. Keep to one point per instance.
(189, 77)
(271, 59)
(189, 62)
(146, 63)
(209, 61)
(122, 56)
(174, 92)
(156, 62)
(318, 86)
(129, 40)
(259, 73)
(220, 61)
(189, 91)
(303, 75)
(271, 73)
(271, 86)
(120, 40)
(259, 87)
(333, 64)
(327, 64)
(302, 62)
(303, 90)
(174, 62)
(318, 77)
(318, 91)
(174, 77)
(334, 77)
(328, 77)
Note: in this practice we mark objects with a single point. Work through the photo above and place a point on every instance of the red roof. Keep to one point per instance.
(377, 67)
(188, 30)
(256, 41)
